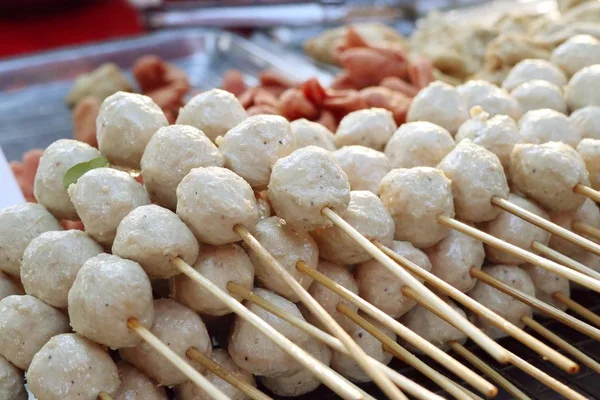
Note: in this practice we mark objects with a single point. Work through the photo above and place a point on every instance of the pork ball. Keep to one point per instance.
(530, 69)
(453, 257)
(371, 127)
(583, 88)
(135, 385)
(125, 125)
(56, 160)
(586, 122)
(301, 382)
(12, 386)
(368, 216)
(347, 366)
(252, 147)
(539, 94)
(589, 150)
(575, 53)
(545, 125)
(26, 324)
(256, 353)
(51, 263)
(213, 112)
(491, 98)
(546, 283)
(20, 224)
(364, 167)
(102, 198)
(477, 176)
(107, 291)
(152, 236)
(212, 201)
(288, 247)
(418, 144)
(180, 328)
(441, 104)
(415, 198)
(221, 265)
(8, 286)
(380, 287)
(309, 133)
(502, 304)
(432, 328)
(548, 173)
(170, 155)
(305, 182)
(190, 391)
(72, 367)
(588, 213)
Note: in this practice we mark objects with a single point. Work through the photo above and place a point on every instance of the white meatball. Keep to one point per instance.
(301, 382)
(57, 159)
(453, 257)
(586, 121)
(288, 247)
(432, 328)
(577, 52)
(26, 324)
(494, 100)
(588, 213)
(514, 230)
(51, 263)
(221, 265)
(170, 155)
(364, 167)
(213, 112)
(8, 286)
(107, 291)
(252, 147)
(368, 216)
(415, 198)
(383, 289)
(309, 133)
(498, 134)
(589, 150)
(305, 182)
(530, 69)
(256, 353)
(347, 366)
(328, 299)
(477, 176)
(441, 104)
(125, 125)
(212, 201)
(190, 391)
(502, 304)
(180, 328)
(20, 224)
(102, 198)
(72, 367)
(548, 173)
(537, 94)
(546, 283)
(371, 127)
(152, 236)
(135, 385)
(11, 382)
(584, 88)
(544, 125)
(418, 144)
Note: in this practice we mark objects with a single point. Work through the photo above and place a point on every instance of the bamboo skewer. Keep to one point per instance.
(578, 308)
(560, 258)
(179, 363)
(104, 396)
(403, 332)
(330, 378)
(585, 229)
(587, 192)
(491, 347)
(215, 368)
(323, 316)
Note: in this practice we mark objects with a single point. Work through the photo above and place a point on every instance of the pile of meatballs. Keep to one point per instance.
(66, 295)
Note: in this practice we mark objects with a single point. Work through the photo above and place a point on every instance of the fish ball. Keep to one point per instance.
(135, 385)
(584, 88)
(589, 150)
(309, 133)
(371, 127)
(440, 104)
(530, 69)
(364, 167)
